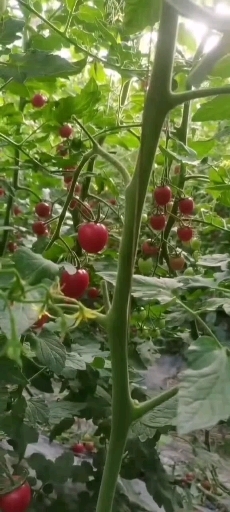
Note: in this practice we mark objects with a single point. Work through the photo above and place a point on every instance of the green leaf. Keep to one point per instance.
(203, 398)
(74, 361)
(217, 109)
(33, 267)
(37, 411)
(62, 468)
(140, 430)
(42, 466)
(163, 416)
(24, 314)
(10, 373)
(64, 425)
(150, 288)
(11, 30)
(138, 15)
(60, 410)
(222, 68)
(49, 350)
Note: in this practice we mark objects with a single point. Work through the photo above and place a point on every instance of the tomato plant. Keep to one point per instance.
(114, 242)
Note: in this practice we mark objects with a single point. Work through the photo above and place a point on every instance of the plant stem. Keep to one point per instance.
(70, 15)
(199, 321)
(156, 108)
(195, 94)
(147, 406)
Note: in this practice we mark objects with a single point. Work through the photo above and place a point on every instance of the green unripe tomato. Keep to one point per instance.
(195, 244)
(145, 266)
(139, 316)
(144, 217)
(87, 437)
(156, 333)
(161, 323)
(196, 255)
(189, 271)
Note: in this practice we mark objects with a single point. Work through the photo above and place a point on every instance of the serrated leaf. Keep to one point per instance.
(24, 314)
(203, 398)
(217, 109)
(138, 429)
(165, 415)
(74, 361)
(11, 30)
(138, 16)
(10, 373)
(37, 411)
(148, 287)
(33, 267)
(49, 351)
(61, 409)
(62, 468)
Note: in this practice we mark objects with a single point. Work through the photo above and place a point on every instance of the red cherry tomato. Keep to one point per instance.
(185, 233)
(41, 321)
(78, 449)
(186, 205)
(158, 222)
(66, 131)
(93, 237)
(83, 208)
(39, 228)
(93, 293)
(177, 263)
(43, 210)
(16, 210)
(74, 285)
(113, 201)
(162, 195)
(38, 101)
(2, 192)
(149, 249)
(16, 501)
(12, 246)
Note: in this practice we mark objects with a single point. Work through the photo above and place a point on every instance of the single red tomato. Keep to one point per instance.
(162, 195)
(93, 237)
(43, 210)
(149, 249)
(177, 263)
(16, 501)
(93, 293)
(41, 321)
(39, 228)
(38, 101)
(158, 222)
(12, 246)
(77, 189)
(2, 192)
(66, 131)
(78, 449)
(185, 233)
(186, 205)
(74, 285)
(113, 201)
(207, 485)
(16, 210)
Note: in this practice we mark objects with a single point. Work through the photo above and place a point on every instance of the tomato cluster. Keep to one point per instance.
(83, 448)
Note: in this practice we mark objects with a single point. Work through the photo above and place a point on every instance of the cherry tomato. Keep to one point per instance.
(93, 293)
(206, 484)
(169, 206)
(195, 244)
(12, 246)
(16, 210)
(189, 271)
(162, 195)
(66, 131)
(2, 192)
(158, 222)
(39, 228)
(38, 101)
(16, 501)
(186, 206)
(78, 449)
(83, 208)
(177, 262)
(185, 233)
(113, 201)
(145, 266)
(144, 217)
(41, 321)
(75, 285)
(61, 150)
(149, 249)
(43, 210)
(93, 237)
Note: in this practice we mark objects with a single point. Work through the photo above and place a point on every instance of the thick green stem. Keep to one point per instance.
(195, 94)
(156, 108)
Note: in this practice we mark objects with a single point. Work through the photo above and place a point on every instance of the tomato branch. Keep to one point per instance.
(195, 94)
(152, 403)
(156, 108)
(70, 194)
